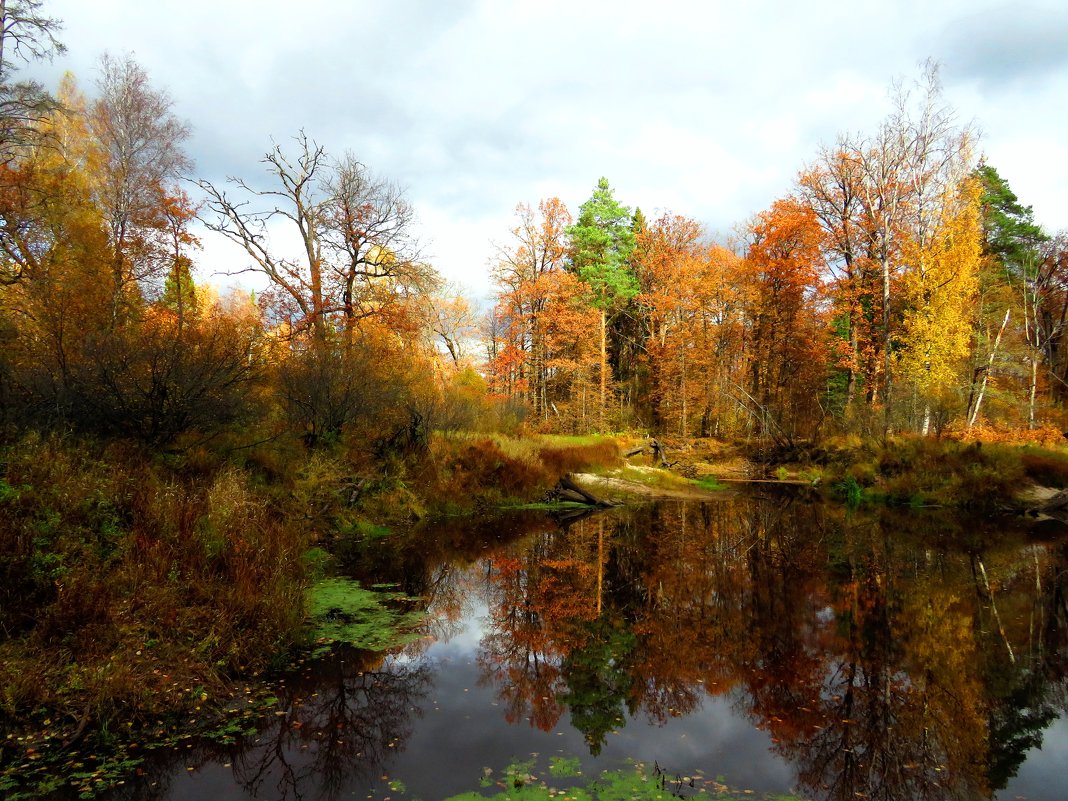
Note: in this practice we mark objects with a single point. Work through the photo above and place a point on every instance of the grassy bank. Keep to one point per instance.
(924, 471)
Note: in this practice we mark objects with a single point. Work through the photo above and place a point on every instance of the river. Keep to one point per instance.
(762, 641)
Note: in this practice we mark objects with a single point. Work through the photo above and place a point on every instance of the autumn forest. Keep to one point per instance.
(898, 286)
(189, 472)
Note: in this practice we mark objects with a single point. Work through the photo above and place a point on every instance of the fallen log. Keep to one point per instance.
(568, 490)
(1056, 507)
(635, 451)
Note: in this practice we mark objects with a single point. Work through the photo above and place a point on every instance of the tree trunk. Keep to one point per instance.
(851, 383)
(568, 490)
(986, 373)
(604, 368)
(887, 384)
(1031, 398)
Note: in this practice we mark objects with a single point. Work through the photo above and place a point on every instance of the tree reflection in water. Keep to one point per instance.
(347, 724)
(340, 722)
(889, 656)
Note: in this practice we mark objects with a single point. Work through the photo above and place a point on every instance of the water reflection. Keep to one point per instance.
(884, 655)
(337, 724)
(884, 662)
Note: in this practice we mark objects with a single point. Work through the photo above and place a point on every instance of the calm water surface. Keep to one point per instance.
(779, 645)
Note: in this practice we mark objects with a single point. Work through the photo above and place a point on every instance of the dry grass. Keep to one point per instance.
(471, 469)
(131, 591)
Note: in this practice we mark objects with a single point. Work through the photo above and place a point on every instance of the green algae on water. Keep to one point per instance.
(342, 610)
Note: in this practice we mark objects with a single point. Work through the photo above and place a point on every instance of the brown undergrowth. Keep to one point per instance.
(463, 471)
(135, 585)
(131, 590)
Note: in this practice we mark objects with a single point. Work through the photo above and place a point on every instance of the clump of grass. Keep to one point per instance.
(850, 491)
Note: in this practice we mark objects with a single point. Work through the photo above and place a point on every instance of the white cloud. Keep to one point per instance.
(704, 109)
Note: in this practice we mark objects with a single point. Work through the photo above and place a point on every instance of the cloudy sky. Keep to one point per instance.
(707, 109)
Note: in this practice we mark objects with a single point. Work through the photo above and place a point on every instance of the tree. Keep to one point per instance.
(786, 358)
(527, 274)
(689, 303)
(359, 257)
(830, 189)
(368, 236)
(179, 291)
(451, 320)
(140, 141)
(56, 267)
(1015, 249)
(901, 174)
(666, 261)
(938, 294)
(25, 35)
(602, 241)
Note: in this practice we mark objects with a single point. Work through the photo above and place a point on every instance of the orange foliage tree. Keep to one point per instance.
(691, 304)
(541, 355)
(785, 321)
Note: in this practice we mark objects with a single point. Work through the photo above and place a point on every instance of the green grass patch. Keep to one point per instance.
(710, 483)
(371, 531)
(546, 506)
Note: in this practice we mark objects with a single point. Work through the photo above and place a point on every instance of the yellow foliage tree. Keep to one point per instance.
(938, 290)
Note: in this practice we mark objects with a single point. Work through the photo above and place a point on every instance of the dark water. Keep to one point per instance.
(780, 645)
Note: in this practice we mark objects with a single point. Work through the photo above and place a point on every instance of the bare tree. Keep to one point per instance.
(368, 235)
(359, 257)
(298, 283)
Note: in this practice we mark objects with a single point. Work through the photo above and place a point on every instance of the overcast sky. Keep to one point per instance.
(707, 109)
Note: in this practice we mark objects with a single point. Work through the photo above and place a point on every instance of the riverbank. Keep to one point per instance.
(1008, 476)
(137, 587)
